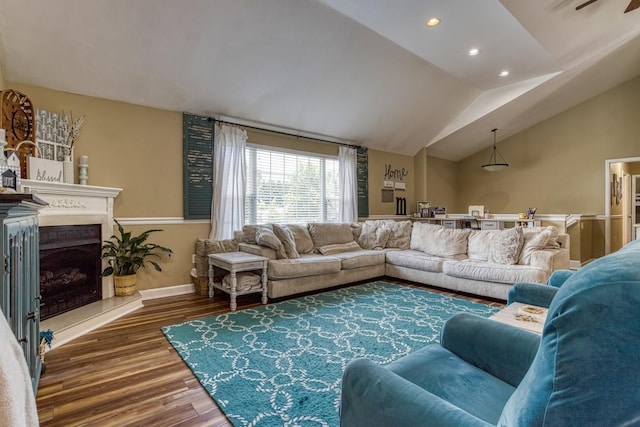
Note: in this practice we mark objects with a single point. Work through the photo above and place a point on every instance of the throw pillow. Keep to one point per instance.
(328, 233)
(339, 248)
(506, 246)
(439, 241)
(288, 241)
(249, 232)
(304, 244)
(372, 236)
(534, 240)
(400, 234)
(479, 244)
(266, 237)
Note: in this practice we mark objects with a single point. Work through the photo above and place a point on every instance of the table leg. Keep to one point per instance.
(211, 272)
(264, 283)
(234, 290)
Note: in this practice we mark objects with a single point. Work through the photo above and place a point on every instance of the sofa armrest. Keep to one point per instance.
(550, 259)
(373, 395)
(532, 293)
(502, 350)
(558, 277)
(254, 249)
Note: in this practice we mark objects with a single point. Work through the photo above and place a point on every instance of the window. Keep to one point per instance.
(323, 204)
(289, 186)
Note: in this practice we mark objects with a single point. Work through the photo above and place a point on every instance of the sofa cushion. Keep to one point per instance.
(505, 246)
(255, 249)
(415, 259)
(439, 241)
(400, 234)
(288, 241)
(266, 237)
(306, 265)
(501, 273)
(304, 243)
(361, 258)
(373, 236)
(479, 243)
(249, 232)
(339, 248)
(329, 233)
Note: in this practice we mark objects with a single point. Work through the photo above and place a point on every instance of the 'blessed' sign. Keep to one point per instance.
(44, 170)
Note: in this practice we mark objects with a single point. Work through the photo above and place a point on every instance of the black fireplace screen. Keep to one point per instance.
(69, 268)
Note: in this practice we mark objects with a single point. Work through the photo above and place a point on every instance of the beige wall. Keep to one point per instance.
(558, 165)
(379, 163)
(443, 182)
(3, 83)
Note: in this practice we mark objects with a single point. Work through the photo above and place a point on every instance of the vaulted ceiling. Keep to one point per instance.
(367, 71)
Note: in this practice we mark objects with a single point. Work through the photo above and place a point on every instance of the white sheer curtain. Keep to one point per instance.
(348, 186)
(229, 181)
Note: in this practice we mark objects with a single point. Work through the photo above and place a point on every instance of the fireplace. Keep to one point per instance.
(72, 226)
(69, 267)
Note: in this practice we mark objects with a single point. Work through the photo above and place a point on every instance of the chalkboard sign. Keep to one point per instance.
(363, 182)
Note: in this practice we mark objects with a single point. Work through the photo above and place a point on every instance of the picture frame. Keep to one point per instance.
(531, 212)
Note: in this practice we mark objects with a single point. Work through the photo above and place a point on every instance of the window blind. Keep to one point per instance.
(285, 186)
(197, 135)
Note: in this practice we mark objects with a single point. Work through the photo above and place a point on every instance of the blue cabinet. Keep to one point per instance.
(20, 287)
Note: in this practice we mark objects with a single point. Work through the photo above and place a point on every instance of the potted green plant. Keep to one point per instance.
(126, 254)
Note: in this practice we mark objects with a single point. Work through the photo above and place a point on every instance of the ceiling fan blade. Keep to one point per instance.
(585, 4)
(633, 5)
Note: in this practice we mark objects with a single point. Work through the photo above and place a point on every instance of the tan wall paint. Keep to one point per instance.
(378, 161)
(442, 177)
(558, 165)
(3, 83)
(420, 165)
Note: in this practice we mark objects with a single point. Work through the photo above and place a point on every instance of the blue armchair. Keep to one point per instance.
(584, 370)
(534, 294)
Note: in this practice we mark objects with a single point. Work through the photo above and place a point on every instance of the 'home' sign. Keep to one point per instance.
(44, 170)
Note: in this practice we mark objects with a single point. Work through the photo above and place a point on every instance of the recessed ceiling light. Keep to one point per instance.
(474, 52)
(432, 22)
(504, 73)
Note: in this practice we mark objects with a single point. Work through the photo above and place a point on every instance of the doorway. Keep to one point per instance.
(622, 223)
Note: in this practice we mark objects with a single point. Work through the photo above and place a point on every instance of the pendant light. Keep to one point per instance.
(493, 165)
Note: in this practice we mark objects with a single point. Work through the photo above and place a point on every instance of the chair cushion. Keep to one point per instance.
(328, 233)
(456, 381)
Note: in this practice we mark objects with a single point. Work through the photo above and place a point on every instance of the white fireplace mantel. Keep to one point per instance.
(72, 204)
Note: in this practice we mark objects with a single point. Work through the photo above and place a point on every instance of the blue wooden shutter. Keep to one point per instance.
(197, 135)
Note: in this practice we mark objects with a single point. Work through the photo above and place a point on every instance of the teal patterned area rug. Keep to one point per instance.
(281, 364)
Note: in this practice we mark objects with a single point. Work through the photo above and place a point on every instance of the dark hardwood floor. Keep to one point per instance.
(127, 374)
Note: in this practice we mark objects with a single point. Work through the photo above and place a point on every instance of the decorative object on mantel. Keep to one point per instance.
(17, 119)
(72, 131)
(126, 254)
(494, 165)
(82, 167)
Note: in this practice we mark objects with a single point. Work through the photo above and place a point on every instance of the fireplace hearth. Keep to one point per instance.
(69, 267)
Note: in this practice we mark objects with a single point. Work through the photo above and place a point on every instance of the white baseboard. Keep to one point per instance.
(574, 264)
(168, 291)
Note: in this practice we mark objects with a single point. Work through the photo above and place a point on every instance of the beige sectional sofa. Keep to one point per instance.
(316, 256)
